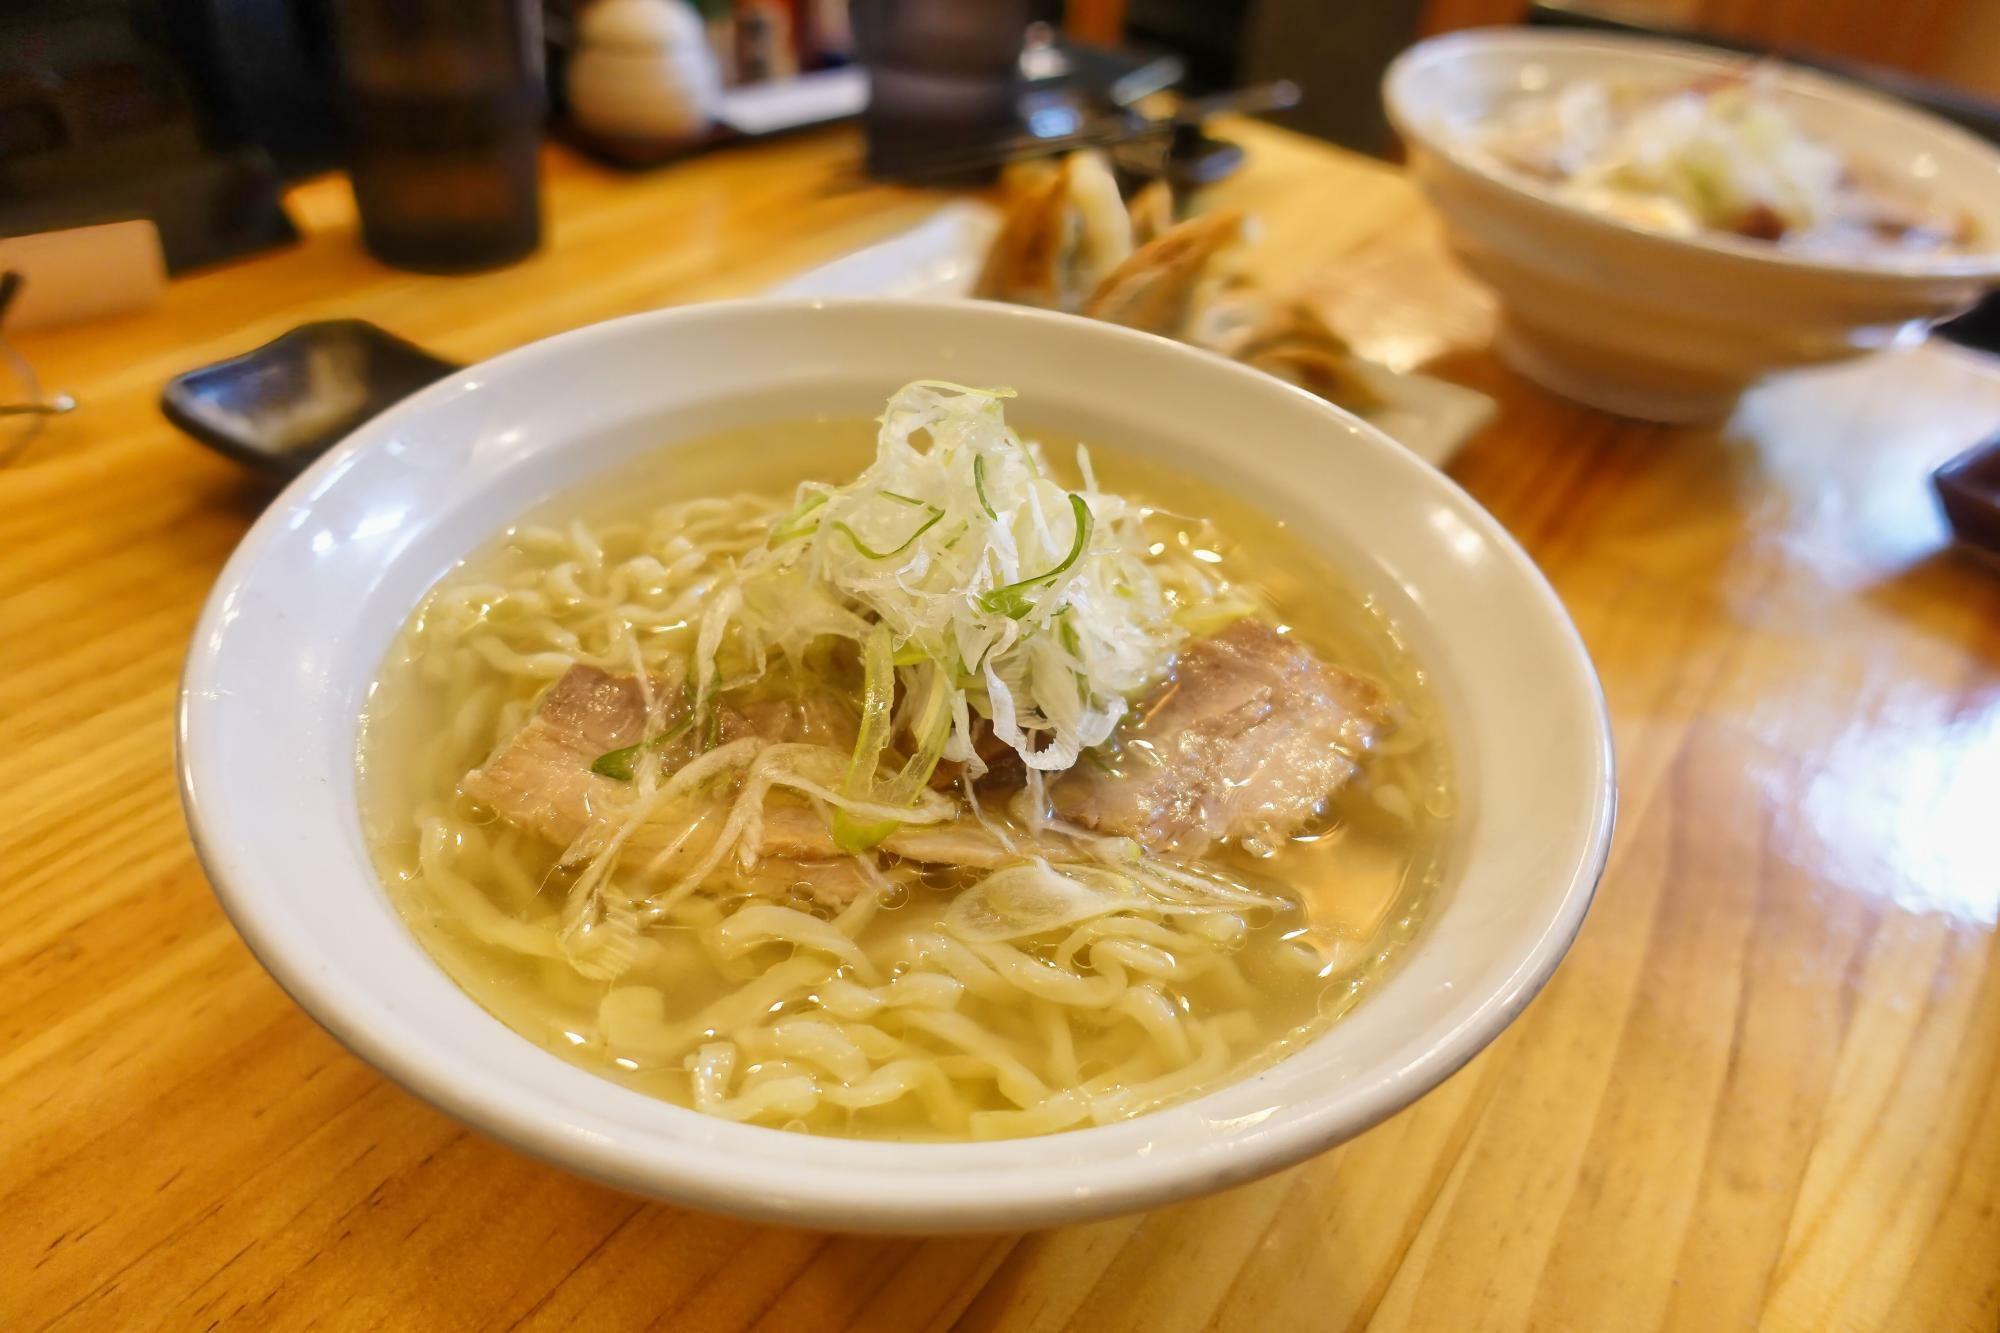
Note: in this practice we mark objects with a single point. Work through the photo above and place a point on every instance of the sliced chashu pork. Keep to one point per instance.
(1247, 738)
(542, 778)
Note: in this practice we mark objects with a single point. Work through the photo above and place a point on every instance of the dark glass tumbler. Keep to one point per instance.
(444, 103)
(944, 79)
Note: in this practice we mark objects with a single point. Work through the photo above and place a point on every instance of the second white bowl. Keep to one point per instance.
(1662, 327)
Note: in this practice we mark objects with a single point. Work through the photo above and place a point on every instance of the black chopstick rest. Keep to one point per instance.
(280, 406)
(1968, 489)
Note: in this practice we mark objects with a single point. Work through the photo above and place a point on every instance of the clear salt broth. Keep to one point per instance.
(1360, 876)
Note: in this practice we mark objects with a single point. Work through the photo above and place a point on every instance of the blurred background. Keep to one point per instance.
(193, 105)
(140, 139)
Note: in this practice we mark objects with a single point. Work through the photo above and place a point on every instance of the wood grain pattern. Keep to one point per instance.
(1764, 1089)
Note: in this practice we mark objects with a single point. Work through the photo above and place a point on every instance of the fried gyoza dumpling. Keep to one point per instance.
(1067, 244)
(1187, 284)
(1155, 288)
(1286, 338)
(1066, 229)
(1152, 210)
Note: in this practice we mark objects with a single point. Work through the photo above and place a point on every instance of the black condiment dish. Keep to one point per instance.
(280, 406)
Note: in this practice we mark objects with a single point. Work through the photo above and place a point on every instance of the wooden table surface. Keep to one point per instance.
(1763, 1090)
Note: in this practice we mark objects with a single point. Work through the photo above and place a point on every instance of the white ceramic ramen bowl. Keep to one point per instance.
(284, 654)
(1663, 327)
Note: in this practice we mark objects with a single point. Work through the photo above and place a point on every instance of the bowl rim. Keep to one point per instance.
(1529, 42)
(826, 1194)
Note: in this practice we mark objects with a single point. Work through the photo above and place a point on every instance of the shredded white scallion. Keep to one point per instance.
(1037, 605)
